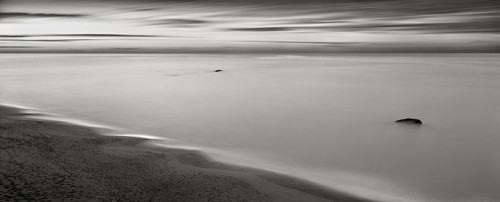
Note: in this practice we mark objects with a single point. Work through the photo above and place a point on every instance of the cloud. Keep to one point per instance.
(9, 47)
(307, 42)
(69, 37)
(80, 35)
(459, 22)
(262, 29)
(38, 15)
(180, 22)
(282, 23)
(185, 21)
(13, 36)
(489, 25)
(46, 40)
(102, 35)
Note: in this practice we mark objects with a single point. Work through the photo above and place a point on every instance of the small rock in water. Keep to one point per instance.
(218, 70)
(410, 120)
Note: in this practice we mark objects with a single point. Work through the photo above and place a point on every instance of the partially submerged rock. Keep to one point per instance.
(410, 121)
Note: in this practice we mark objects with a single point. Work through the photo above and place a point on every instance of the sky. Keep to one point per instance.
(176, 26)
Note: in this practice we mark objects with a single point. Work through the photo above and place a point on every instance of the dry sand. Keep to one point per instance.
(51, 161)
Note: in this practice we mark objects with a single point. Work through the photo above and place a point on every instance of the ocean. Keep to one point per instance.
(327, 118)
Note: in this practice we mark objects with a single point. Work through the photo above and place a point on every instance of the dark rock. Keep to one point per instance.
(218, 70)
(410, 120)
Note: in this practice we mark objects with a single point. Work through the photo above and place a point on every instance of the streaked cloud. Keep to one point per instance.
(38, 15)
(78, 35)
(16, 47)
(180, 22)
(262, 29)
(44, 40)
(71, 37)
(245, 24)
(305, 42)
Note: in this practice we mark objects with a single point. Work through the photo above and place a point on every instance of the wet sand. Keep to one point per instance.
(52, 161)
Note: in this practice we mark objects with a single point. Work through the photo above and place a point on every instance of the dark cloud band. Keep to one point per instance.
(38, 15)
(79, 35)
(261, 29)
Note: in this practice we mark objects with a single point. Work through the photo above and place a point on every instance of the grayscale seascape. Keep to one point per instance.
(250, 100)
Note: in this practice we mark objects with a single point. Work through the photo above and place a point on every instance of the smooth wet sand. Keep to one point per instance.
(51, 161)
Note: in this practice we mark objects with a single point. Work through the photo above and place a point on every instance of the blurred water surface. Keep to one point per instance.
(326, 118)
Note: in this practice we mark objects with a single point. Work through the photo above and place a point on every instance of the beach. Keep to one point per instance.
(53, 161)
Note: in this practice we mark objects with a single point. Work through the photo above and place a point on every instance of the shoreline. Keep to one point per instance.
(50, 160)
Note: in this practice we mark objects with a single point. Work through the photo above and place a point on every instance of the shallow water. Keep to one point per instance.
(326, 118)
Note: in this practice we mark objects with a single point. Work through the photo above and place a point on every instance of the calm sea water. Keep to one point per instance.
(326, 118)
